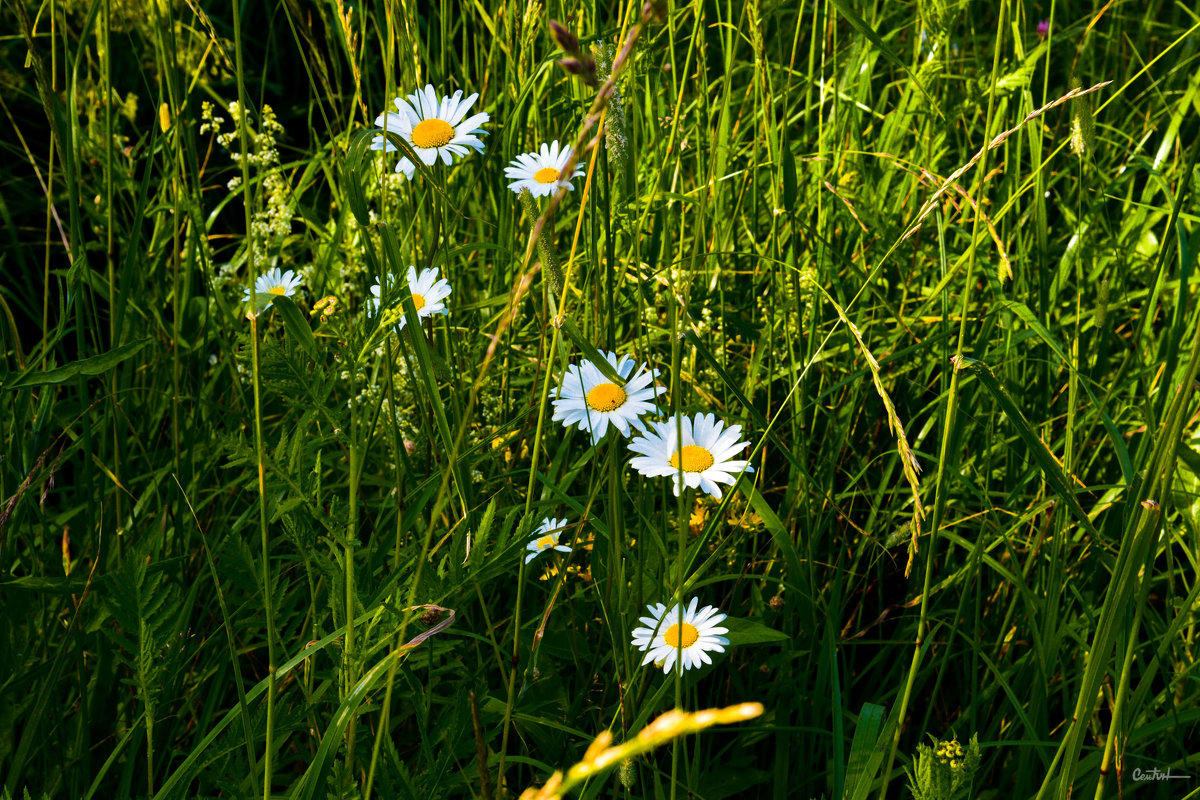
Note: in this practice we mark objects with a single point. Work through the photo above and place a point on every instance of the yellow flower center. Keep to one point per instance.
(695, 458)
(418, 301)
(545, 542)
(432, 133)
(277, 290)
(690, 635)
(606, 397)
(546, 175)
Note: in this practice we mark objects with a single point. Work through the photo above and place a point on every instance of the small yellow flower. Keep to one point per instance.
(327, 306)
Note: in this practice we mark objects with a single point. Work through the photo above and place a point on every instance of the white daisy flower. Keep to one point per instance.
(589, 400)
(432, 128)
(546, 538)
(428, 292)
(667, 637)
(704, 453)
(272, 284)
(541, 173)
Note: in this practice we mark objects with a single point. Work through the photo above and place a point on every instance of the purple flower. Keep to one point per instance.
(1043, 29)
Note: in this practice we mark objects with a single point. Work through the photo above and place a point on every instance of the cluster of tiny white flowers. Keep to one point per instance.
(225, 273)
(807, 278)
(276, 217)
(274, 220)
(262, 151)
(398, 419)
(209, 122)
(372, 393)
(351, 263)
(706, 321)
(615, 131)
(492, 410)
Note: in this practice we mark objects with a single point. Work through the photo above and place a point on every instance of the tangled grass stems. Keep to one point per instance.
(773, 217)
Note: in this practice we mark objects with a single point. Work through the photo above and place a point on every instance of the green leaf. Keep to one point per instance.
(297, 325)
(860, 25)
(747, 631)
(773, 524)
(1026, 315)
(356, 165)
(36, 583)
(1019, 78)
(788, 165)
(1046, 461)
(313, 783)
(391, 249)
(591, 353)
(866, 753)
(482, 534)
(87, 366)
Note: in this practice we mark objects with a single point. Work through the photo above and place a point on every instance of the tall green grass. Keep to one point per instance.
(949, 295)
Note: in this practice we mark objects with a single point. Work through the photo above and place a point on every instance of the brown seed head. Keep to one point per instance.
(566, 41)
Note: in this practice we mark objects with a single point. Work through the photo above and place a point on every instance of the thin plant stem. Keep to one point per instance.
(529, 493)
(546, 248)
(349, 673)
(682, 495)
(260, 453)
(948, 423)
(110, 225)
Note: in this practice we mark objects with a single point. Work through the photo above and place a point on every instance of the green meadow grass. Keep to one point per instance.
(946, 286)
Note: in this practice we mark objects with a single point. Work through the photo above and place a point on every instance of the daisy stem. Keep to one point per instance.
(616, 535)
(252, 277)
(348, 675)
(533, 463)
(113, 342)
(268, 611)
(550, 263)
(681, 495)
(512, 675)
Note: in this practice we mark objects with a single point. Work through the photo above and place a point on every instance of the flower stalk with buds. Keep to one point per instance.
(602, 755)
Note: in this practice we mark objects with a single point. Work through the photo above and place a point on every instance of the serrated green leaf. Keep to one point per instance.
(484, 532)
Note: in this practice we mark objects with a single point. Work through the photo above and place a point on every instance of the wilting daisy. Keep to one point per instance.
(432, 128)
(428, 292)
(541, 172)
(589, 400)
(272, 284)
(546, 538)
(667, 636)
(703, 453)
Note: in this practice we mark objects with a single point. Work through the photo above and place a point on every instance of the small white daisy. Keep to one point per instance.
(428, 292)
(546, 538)
(667, 637)
(541, 173)
(272, 284)
(704, 454)
(432, 128)
(589, 400)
